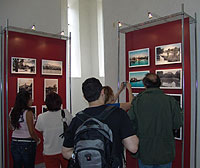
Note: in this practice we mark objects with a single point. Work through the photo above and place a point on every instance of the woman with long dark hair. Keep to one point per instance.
(24, 138)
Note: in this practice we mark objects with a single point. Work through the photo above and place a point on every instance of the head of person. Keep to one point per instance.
(23, 101)
(109, 95)
(91, 89)
(151, 80)
(53, 101)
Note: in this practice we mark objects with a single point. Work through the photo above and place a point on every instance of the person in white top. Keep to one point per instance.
(24, 138)
(50, 124)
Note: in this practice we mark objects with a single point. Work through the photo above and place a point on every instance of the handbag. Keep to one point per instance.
(65, 126)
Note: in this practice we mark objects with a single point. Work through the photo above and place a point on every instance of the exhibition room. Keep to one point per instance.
(54, 46)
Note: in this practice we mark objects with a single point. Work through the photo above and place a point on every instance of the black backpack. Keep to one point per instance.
(93, 141)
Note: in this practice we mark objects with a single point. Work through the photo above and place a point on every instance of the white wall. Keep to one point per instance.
(133, 12)
(89, 52)
(45, 14)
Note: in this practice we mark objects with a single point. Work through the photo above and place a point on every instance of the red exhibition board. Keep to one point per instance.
(37, 47)
(164, 34)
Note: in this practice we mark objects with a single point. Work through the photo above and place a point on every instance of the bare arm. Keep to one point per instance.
(118, 92)
(131, 143)
(29, 120)
(130, 94)
(67, 152)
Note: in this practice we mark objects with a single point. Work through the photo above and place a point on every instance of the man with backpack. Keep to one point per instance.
(96, 136)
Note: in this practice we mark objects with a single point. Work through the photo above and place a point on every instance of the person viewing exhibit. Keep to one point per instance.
(24, 139)
(110, 98)
(154, 116)
(123, 135)
(50, 124)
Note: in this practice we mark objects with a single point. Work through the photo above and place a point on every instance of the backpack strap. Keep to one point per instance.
(64, 120)
(102, 116)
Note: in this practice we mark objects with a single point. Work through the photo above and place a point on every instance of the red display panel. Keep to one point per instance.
(36, 47)
(168, 33)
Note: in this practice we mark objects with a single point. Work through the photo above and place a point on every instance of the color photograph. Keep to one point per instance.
(51, 67)
(168, 54)
(23, 65)
(170, 78)
(135, 78)
(138, 58)
(25, 84)
(50, 85)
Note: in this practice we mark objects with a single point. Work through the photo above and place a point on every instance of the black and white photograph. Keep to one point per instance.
(178, 98)
(23, 65)
(26, 84)
(44, 108)
(170, 78)
(50, 85)
(168, 54)
(178, 134)
(34, 110)
(139, 57)
(51, 67)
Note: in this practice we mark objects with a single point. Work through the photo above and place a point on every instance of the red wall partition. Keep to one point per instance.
(37, 47)
(168, 33)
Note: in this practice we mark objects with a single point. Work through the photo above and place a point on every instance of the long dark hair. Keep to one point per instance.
(21, 104)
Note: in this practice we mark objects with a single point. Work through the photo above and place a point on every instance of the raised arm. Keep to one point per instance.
(122, 86)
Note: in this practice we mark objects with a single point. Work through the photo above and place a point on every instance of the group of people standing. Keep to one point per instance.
(146, 130)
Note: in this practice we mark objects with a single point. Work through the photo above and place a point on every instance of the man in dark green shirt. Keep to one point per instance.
(154, 116)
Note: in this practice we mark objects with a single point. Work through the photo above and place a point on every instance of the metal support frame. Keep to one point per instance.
(1, 98)
(70, 73)
(118, 39)
(4, 85)
(196, 92)
(173, 17)
(183, 82)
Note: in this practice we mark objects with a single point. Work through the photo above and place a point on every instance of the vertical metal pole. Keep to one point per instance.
(183, 83)
(118, 39)
(196, 90)
(70, 73)
(7, 133)
(1, 99)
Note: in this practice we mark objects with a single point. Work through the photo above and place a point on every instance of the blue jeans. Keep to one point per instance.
(23, 154)
(141, 165)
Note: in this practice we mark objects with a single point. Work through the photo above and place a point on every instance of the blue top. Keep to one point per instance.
(114, 104)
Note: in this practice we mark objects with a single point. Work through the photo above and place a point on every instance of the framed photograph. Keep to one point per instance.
(50, 85)
(44, 108)
(23, 65)
(51, 67)
(178, 134)
(34, 109)
(170, 78)
(26, 84)
(138, 58)
(168, 54)
(135, 78)
(178, 98)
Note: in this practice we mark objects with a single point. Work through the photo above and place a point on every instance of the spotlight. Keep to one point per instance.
(119, 24)
(150, 15)
(62, 33)
(33, 27)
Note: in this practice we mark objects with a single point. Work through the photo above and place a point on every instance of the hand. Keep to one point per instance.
(122, 86)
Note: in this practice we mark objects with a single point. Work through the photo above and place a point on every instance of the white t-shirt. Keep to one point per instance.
(51, 125)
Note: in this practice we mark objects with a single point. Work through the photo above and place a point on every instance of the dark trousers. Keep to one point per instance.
(23, 154)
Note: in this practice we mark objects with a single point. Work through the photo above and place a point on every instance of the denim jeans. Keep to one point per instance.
(141, 165)
(23, 154)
